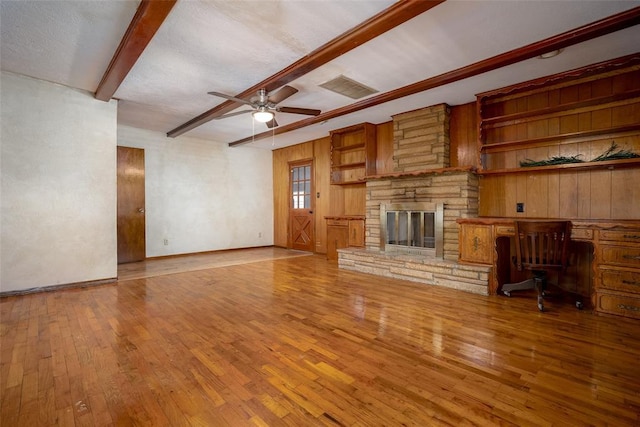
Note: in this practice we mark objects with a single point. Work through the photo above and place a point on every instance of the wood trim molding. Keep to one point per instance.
(147, 20)
(617, 64)
(586, 32)
(59, 287)
(384, 21)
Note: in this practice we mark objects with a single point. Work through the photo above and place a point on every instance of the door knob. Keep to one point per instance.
(141, 210)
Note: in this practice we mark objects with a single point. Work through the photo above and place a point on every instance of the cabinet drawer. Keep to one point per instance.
(631, 236)
(338, 222)
(627, 281)
(621, 255)
(582, 234)
(621, 305)
(505, 230)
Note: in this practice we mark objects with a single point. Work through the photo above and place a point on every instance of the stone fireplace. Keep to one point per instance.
(421, 176)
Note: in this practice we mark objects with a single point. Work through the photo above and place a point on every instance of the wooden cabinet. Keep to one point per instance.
(343, 232)
(618, 272)
(353, 153)
(476, 243)
(616, 264)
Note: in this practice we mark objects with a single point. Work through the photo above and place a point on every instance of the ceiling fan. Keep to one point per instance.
(265, 105)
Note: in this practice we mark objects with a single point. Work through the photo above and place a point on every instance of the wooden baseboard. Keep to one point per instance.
(58, 287)
(206, 252)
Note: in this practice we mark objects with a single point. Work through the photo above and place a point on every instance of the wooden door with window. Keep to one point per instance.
(131, 216)
(301, 220)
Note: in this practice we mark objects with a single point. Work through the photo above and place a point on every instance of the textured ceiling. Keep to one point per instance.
(229, 46)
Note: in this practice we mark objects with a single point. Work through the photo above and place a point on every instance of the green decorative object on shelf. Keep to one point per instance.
(611, 154)
(555, 160)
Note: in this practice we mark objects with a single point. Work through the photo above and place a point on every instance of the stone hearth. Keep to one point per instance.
(421, 174)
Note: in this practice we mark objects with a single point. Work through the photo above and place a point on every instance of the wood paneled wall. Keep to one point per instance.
(579, 194)
(281, 159)
(463, 134)
(384, 156)
(332, 199)
(329, 200)
(348, 199)
(589, 194)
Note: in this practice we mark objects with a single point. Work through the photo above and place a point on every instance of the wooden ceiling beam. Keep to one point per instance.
(148, 18)
(590, 31)
(384, 21)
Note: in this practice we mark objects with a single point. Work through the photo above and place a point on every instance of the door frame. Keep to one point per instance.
(297, 163)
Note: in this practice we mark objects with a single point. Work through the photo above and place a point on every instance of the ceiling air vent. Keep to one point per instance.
(348, 87)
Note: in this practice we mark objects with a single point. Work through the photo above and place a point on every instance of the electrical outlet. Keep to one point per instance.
(166, 242)
(260, 234)
(520, 207)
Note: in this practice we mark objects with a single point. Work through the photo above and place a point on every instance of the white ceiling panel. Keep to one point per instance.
(65, 42)
(229, 46)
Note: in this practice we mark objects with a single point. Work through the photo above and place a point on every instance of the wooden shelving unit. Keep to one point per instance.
(353, 153)
(580, 113)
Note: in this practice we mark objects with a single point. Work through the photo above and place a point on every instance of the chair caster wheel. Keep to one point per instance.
(579, 305)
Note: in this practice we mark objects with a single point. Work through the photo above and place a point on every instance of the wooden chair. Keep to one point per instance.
(541, 246)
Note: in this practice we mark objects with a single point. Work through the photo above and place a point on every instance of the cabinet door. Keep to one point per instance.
(476, 244)
(356, 233)
(337, 238)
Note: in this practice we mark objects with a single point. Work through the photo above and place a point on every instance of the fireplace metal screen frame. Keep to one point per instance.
(436, 208)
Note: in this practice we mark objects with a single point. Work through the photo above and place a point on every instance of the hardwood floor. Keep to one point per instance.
(298, 342)
(181, 263)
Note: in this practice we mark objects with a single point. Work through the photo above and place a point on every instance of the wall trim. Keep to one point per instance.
(65, 286)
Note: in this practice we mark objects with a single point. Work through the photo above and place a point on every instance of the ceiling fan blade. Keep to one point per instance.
(272, 123)
(294, 110)
(281, 94)
(230, 98)
(237, 113)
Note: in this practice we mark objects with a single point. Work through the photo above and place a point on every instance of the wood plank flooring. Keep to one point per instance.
(181, 263)
(298, 342)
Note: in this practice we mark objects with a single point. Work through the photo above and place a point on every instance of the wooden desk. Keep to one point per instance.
(615, 266)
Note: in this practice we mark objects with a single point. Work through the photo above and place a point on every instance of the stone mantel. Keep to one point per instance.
(413, 174)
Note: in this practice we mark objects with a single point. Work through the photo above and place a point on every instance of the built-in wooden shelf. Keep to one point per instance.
(349, 165)
(567, 138)
(350, 147)
(580, 113)
(564, 109)
(609, 164)
(353, 153)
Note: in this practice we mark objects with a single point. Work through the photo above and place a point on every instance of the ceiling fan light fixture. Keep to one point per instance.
(551, 54)
(262, 115)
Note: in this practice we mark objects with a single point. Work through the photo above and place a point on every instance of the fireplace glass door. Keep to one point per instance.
(407, 228)
(411, 227)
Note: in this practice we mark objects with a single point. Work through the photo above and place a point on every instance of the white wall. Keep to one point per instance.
(203, 195)
(58, 171)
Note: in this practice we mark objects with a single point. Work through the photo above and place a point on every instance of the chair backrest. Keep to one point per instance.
(542, 245)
